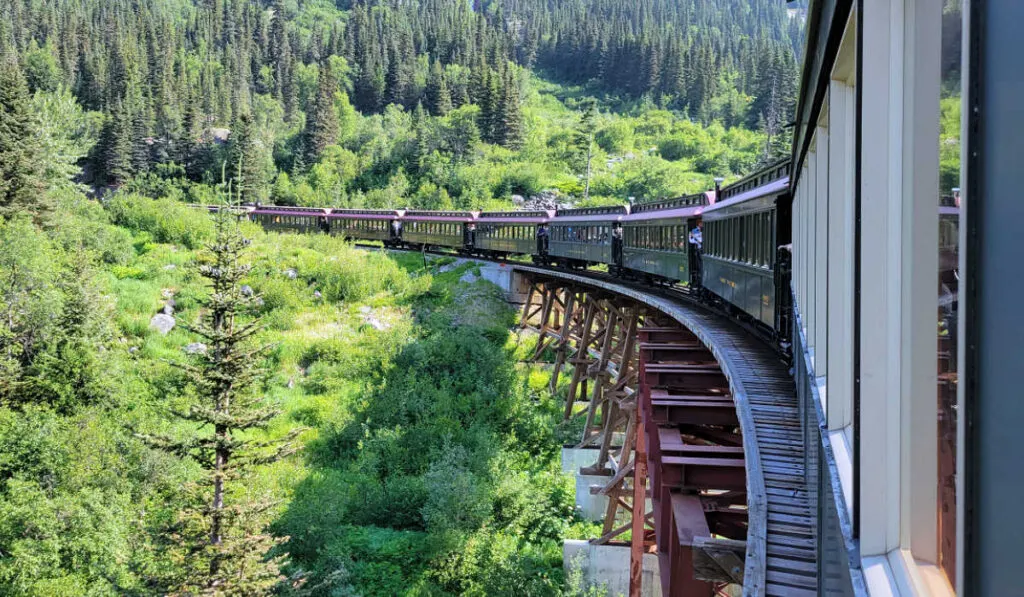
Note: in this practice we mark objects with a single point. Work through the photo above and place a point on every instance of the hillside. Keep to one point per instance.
(427, 103)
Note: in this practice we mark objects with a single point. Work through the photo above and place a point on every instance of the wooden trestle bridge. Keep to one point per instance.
(697, 430)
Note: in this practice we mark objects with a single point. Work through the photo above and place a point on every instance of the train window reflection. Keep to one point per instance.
(949, 275)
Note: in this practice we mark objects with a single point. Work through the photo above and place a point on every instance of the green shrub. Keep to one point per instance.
(167, 220)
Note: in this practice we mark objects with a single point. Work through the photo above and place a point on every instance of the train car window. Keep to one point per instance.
(759, 240)
(766, 257)
(736, 239)
(745, 239)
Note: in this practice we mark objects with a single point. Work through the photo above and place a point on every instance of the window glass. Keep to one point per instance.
(949, 255)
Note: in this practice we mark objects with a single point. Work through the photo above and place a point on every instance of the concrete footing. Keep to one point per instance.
(607, 567)
(591, 507)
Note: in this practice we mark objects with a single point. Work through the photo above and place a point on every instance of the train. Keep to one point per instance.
(739, 266)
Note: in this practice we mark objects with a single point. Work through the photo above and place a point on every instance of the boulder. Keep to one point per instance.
(195, 348)
(291, 273)
(162, 323)
(247, 290)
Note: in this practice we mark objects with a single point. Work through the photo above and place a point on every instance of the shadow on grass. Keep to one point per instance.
(443, 478)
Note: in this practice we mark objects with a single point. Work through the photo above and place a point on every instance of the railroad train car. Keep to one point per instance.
(291, 219)
(655, 238)
(366, 224)
(743, 231)
(586, 236)
(500, 233)
(448, 229)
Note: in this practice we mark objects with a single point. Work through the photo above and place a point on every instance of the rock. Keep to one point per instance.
(195, 348)
(372, 320)
(247, 290)
(469, 277)
(167, 293)
(518, 199)
(162, 323)
(133, 349)
(170, 267)
(317, 295)
(168, 309)
(291, 273)
(259, 301)
(449, 266)
(549, 199)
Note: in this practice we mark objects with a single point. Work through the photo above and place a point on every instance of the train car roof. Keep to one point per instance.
(440, 216)
(679, 212)
(366, 214)
(774, 187)
(677, 207)
(604, 213)
(516, 217)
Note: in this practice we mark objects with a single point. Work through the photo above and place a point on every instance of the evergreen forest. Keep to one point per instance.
(190, 405)
(426, 103)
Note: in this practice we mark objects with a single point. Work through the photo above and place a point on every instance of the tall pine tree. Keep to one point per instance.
(439, 98)
(21, 176)
(220, 535)
(247, 155)
(322, 120)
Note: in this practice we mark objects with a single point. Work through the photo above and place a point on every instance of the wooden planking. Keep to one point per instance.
(781, 556)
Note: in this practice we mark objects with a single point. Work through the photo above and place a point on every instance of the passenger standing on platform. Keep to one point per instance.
(697, 237)
(697, 244)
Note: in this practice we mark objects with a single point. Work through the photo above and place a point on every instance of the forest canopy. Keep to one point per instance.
(428, 103)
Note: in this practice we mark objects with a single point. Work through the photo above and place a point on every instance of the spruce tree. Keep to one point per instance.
(439, 98)
(421, 149)
(21, 177)
(220, 535)
(511, 115)
(585, 140)
(322, 120)
(247, 153)
(116, 146)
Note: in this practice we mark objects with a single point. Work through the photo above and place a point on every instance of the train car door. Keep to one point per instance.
(693, 252)
(617, 244)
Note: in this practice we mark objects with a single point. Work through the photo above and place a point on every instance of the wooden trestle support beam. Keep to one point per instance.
(656, 402)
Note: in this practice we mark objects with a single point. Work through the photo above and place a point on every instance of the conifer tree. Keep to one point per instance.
(510, 114)
(585, 138)
(21, 176)
(322, 120)
(439, 98)
(220, 535)
(421, 148)
(248, 154)
(116, 146)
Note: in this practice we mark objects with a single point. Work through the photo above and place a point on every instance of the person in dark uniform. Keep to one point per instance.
(696, 249)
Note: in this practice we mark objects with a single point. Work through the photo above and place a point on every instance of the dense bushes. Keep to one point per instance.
(168, 221)
(434, 469)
